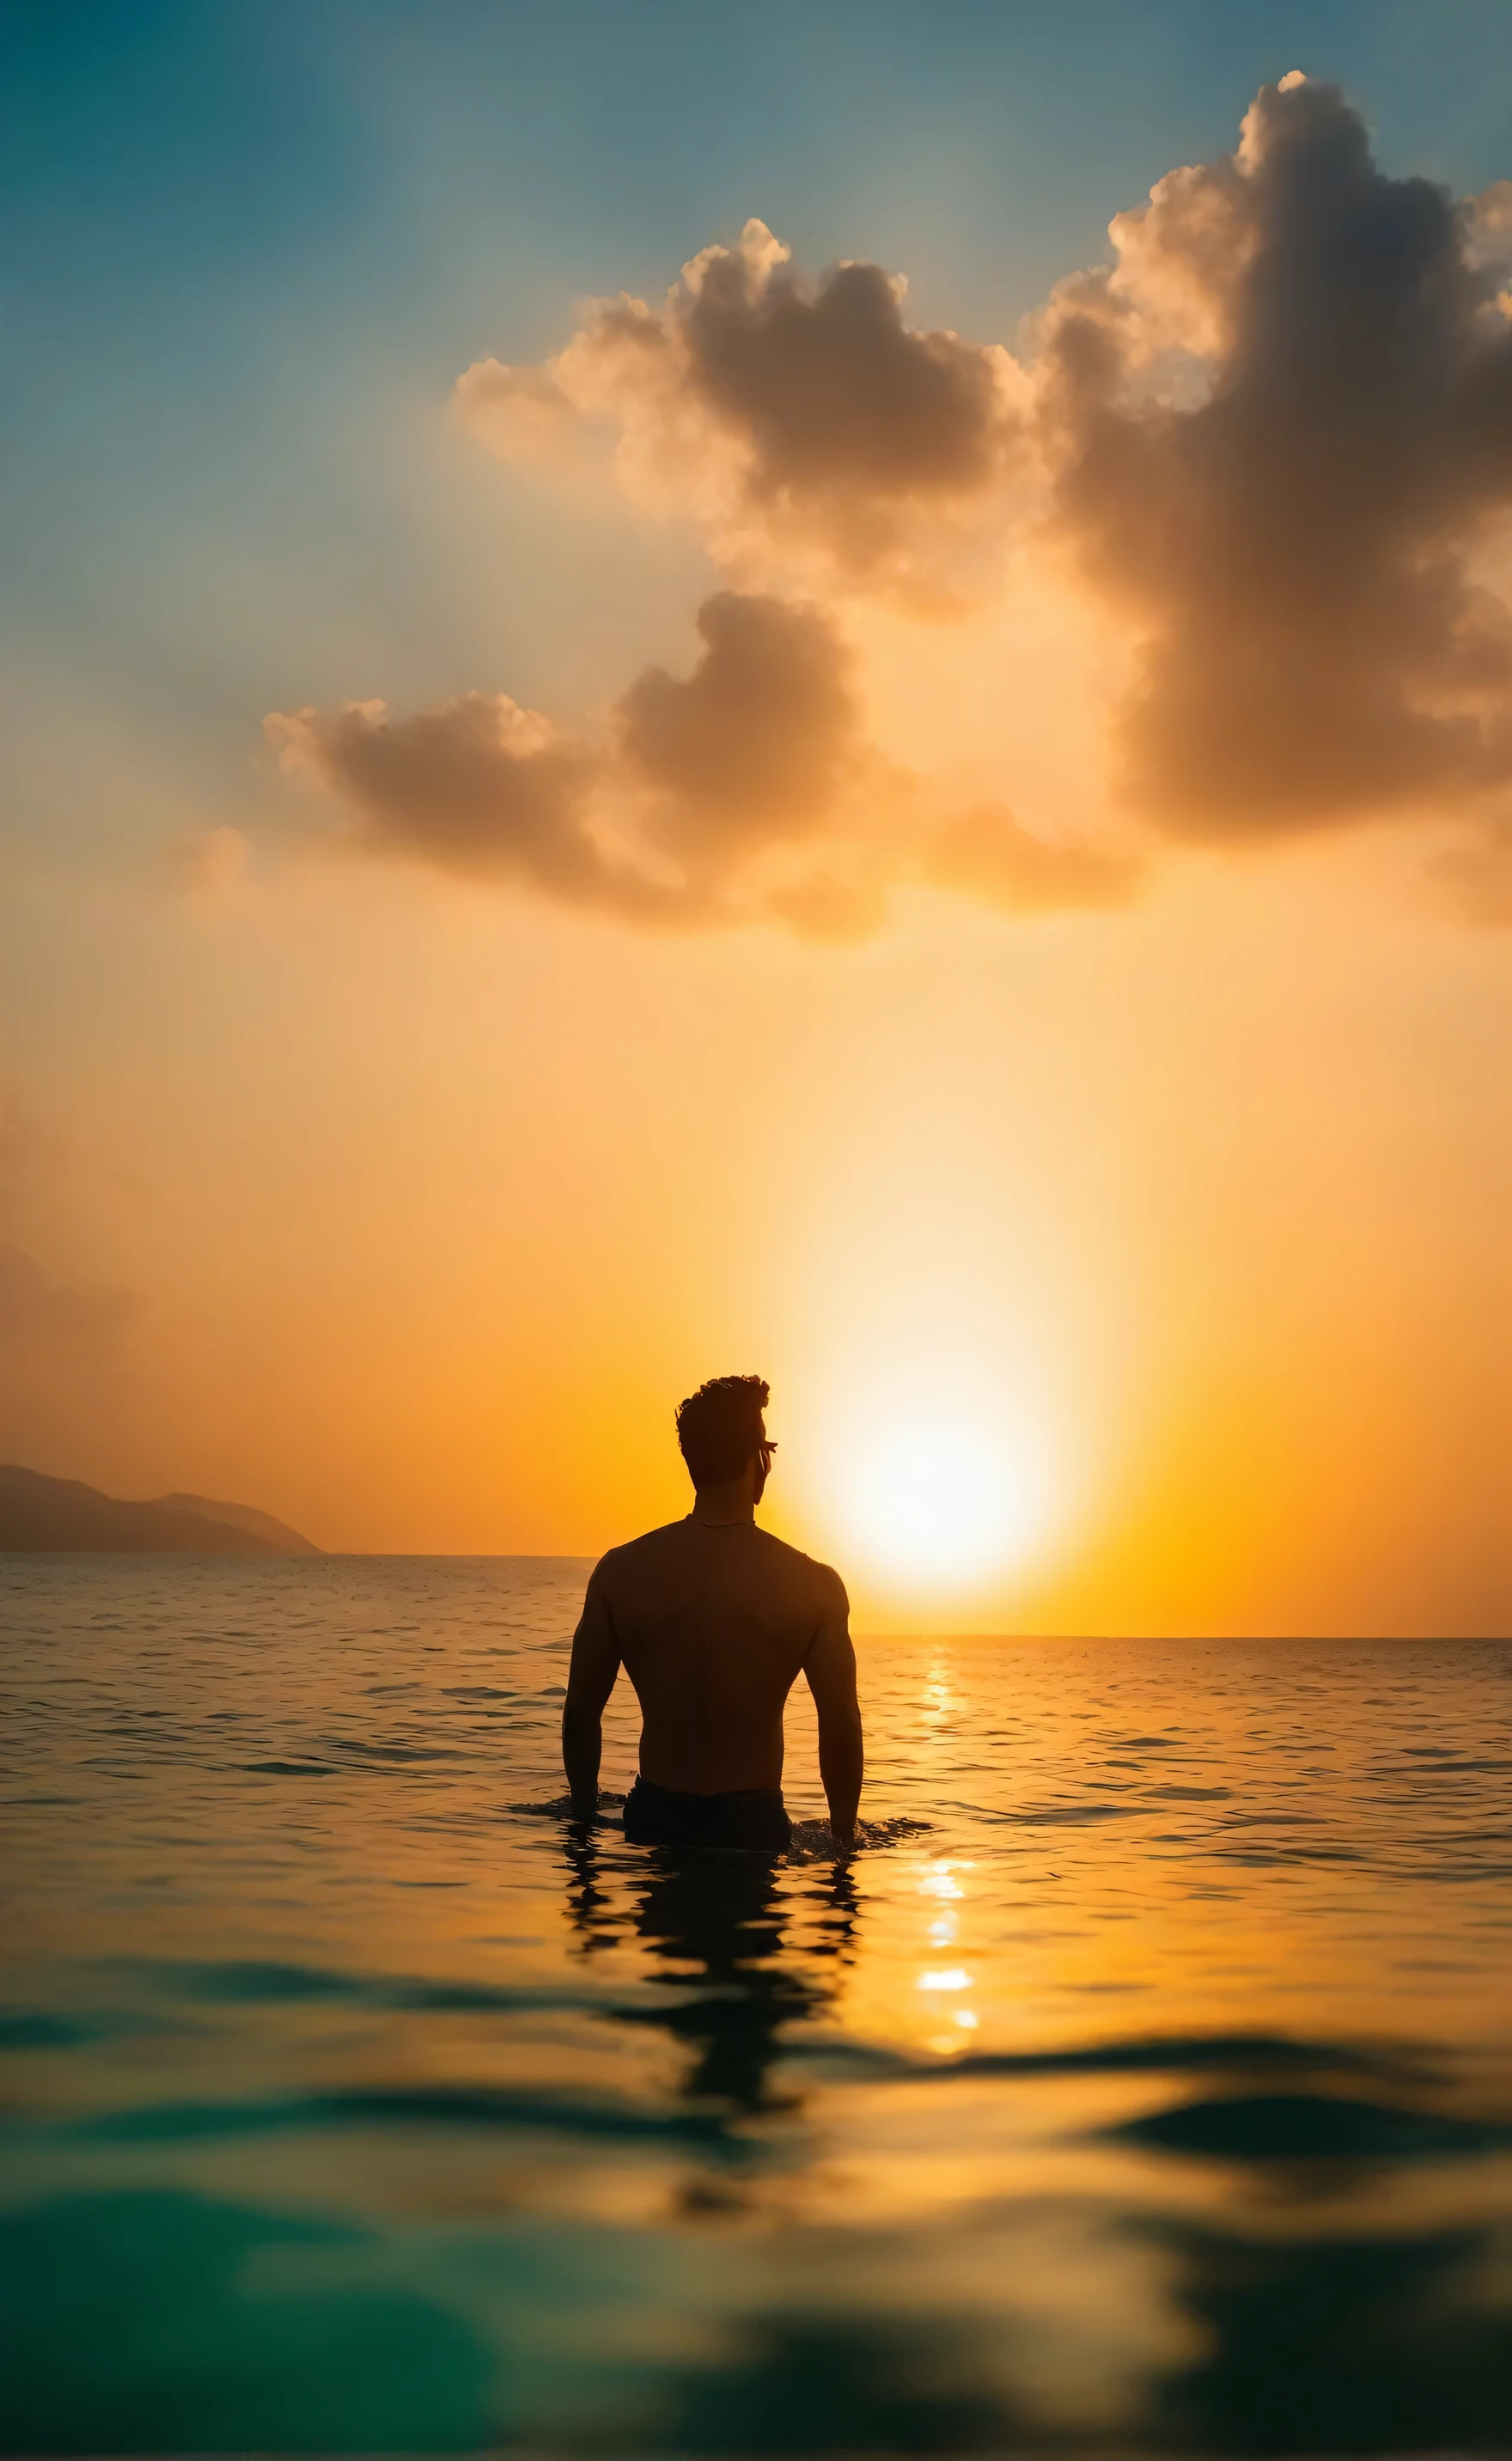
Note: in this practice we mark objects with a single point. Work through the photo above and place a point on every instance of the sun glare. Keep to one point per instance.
(943, 1503)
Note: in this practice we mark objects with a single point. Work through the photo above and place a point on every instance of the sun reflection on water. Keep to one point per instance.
(937, 1882)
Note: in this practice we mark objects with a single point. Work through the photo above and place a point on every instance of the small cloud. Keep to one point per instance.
(708, 782)
(832, 907)
(479, 786)
(758, 742)
(1477, 879)
(745, 790)
(210, 861)
(987, 854)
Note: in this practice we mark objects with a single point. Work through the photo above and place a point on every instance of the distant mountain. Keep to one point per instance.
(283, 1540)
(45, 1516)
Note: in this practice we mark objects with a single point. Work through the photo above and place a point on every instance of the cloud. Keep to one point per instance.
(1272, 438)
(988, 855)
(479, 786)
(1281, 424)
(210, 862)
(772, 406)
(744, 790)
(758, 742)
(700, 780)
(1477, 879)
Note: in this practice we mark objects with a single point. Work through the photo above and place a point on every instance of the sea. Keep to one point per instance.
(1141, 2086)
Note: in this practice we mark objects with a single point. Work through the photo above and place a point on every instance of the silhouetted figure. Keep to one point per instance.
(713, 1619)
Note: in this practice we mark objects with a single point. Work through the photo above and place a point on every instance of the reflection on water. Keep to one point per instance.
(1155, 2097)
(716, 1927)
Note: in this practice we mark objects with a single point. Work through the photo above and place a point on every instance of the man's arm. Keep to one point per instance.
(591, 1680)
(831, 1670)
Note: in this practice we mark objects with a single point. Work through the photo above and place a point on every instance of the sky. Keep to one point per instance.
(819, 692)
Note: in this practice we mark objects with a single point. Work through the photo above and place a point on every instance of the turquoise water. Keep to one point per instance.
(1154, 2094)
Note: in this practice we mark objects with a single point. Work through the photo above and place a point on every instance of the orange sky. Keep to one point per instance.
(399, 1179)
(429, 1206)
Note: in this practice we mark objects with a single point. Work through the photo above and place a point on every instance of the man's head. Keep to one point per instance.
(721, 1434)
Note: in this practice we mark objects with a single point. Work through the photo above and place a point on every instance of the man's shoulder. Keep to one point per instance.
(638, 1551)
(788, 1566)
(821, 1578)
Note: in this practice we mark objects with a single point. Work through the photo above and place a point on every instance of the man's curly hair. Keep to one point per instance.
(720, 1426)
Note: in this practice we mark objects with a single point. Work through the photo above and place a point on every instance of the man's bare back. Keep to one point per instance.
(712, 1625)
(712, 1621)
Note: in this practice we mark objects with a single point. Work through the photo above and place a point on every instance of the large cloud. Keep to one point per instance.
(1283, 424)
(1274, 437)
(772, 405)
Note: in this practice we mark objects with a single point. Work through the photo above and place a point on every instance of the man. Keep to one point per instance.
(711, 1619)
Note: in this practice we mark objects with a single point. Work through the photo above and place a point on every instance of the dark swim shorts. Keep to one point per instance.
(755, 1821)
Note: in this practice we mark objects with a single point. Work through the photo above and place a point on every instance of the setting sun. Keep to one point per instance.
(943, 1503)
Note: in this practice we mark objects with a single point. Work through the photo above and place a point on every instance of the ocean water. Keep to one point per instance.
(1147, 2088)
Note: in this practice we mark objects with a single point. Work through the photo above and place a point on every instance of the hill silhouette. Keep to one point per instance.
(283, 1540)
(45, 1516)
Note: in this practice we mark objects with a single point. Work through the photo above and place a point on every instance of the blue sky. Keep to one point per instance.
(252, 247)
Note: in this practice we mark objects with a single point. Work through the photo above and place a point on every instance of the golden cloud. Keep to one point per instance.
(1274, 435)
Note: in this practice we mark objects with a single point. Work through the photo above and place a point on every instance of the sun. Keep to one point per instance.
(942, 1502)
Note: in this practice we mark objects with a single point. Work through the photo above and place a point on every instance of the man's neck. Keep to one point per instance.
(724, 1507)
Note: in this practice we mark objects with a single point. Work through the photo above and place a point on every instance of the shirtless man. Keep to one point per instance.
(711, 1619)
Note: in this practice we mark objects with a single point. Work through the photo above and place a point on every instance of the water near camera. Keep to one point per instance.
(1144, 2084)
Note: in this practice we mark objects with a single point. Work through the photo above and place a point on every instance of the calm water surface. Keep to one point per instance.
(1155, 2094)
